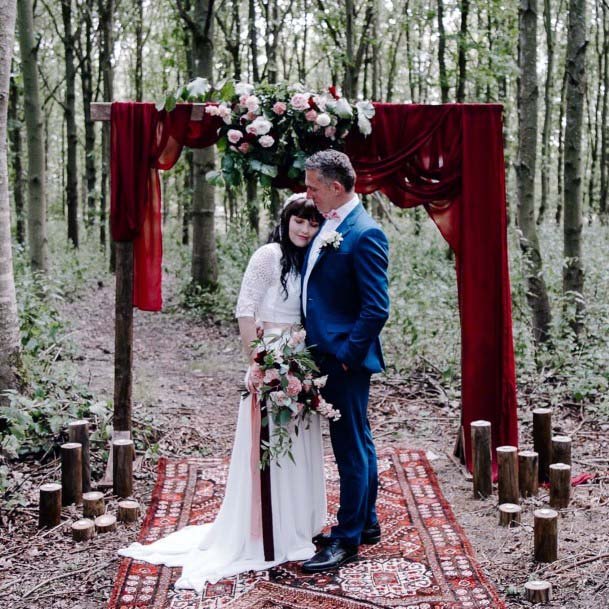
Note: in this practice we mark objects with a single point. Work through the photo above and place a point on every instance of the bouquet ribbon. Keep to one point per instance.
(262, 512)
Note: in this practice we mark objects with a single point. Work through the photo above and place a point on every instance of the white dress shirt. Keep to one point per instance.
(329, 225)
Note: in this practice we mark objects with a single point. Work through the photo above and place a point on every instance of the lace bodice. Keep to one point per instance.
(262, 296)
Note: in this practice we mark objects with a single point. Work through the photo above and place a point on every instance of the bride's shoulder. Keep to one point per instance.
(267, 252)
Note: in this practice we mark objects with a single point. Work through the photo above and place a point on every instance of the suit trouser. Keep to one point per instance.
(353, 449)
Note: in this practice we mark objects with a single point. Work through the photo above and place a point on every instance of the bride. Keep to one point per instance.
(269, 296)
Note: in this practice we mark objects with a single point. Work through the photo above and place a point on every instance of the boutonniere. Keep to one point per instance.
(331, 238)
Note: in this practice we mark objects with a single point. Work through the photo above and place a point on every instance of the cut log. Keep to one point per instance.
(546, 535)
(122, 470)
(128, 511)
(78, 431)
(481, 458)
(528, 479)
(509, 514)
(561, 449)
(507, 463)
(538, 591)
(105, 523)
(83, 529)
(71, 473)
(542, 441)
(93, 504)
(560, 485)
(49, 506)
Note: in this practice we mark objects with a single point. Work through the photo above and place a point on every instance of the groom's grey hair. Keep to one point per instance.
(333, 165)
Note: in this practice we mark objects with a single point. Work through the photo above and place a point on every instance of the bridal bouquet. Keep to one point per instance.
(288, 388)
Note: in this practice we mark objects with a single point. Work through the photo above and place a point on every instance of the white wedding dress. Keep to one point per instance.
(232, 543)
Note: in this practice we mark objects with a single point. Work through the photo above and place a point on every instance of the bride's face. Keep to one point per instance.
(302, 230)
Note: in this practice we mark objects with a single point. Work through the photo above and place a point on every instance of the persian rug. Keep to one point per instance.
(424, 560)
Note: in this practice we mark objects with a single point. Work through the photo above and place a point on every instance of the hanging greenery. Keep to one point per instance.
(270, 130)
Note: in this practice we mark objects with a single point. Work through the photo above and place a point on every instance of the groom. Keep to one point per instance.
(345, 303)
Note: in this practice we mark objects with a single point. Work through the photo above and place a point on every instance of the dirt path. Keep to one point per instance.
(186, 386)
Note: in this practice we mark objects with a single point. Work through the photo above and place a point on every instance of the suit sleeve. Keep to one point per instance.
(370, 260)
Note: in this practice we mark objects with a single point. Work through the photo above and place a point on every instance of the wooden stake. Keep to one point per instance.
(71, 473)
(507, 463)
(528, 480)
(128, 511)
(93, 504)
(542, 440)
(509, 514)
(560, 485)
(481, 458)
(78, 431)
(122, 475)
(49, 506)
(105, 523)
(561, 449)
(538, 591)
(83, 529)
(546, 535)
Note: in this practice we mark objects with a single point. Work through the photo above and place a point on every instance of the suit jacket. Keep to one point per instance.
(347, 294)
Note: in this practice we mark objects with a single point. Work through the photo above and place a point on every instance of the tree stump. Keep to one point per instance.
(560, 485)
(481, 458)
(105, 523)
(507, 463)
(542, 440)
(71, 473)
(78, 431)
(561, 449)
(83, 529)
(528, 479)
(122, 466)
(546, 535)
(93, 504)
(49, 505)
(538, 591)
(509, 514)
(128, 511)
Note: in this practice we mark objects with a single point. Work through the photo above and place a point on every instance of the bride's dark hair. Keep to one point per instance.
(292, 255)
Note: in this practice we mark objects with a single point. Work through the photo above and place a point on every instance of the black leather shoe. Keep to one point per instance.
(335, 555)
(370, 536)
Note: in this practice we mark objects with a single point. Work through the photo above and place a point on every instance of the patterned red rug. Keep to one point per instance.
(423, 561)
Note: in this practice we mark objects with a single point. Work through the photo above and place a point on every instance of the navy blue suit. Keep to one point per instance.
(347, 306)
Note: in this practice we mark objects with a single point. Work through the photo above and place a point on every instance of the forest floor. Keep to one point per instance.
(186, 389)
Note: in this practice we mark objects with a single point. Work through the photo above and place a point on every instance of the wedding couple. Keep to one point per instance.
(337, 288)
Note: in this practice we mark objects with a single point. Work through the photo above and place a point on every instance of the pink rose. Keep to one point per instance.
(272, 374)
(300, 101)
(294, 386)
(279, 108)
(266, 141)
(243, 100)
(278, 397)
(234, 136)
(250, 116)
(252, 103)
(311, 115)
(244, 148)
(330, 132)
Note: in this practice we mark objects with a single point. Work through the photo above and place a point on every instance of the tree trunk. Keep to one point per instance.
(204, 268)
(69, 109)
(537, 295)
(604, 162)
(106, 11)
(442, 53)
(37, 222)
(573, 272)
(139, 48)
(393, 51)
(253, 39)
(462, 58)
(376, 46)
(14, 126)
(349, 82)
(10, 361)
(561, 149)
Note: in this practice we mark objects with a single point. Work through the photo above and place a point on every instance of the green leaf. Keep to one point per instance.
(227, 92)
(170, 103)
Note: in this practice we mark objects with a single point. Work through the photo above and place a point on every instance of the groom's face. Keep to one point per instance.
(325, 194)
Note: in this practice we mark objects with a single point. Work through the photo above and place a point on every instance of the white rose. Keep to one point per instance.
(323, 119)
(199, 86)
(252, 103)
(343, 108)
(259, 126)
(266, 141)
(244, 88)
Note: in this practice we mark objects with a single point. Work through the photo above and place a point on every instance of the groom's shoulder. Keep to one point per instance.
(366, 223)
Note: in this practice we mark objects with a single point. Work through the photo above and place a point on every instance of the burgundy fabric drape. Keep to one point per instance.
(448, 158)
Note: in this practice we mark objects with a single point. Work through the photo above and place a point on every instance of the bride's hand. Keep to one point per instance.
(249, 383)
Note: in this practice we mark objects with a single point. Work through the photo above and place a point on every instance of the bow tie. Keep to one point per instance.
(331, 215)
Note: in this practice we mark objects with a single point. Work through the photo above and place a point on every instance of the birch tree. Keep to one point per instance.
(9, 325)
